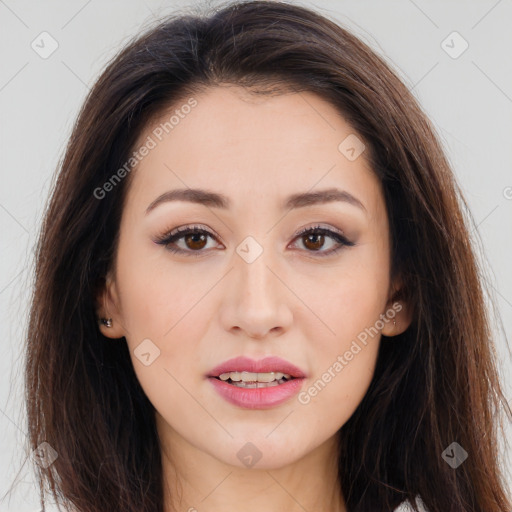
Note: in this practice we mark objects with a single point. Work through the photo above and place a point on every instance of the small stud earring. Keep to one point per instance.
(107, 322)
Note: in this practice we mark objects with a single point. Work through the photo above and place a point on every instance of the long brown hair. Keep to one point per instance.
(435, 384)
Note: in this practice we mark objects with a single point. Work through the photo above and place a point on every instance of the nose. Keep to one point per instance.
(257, 301)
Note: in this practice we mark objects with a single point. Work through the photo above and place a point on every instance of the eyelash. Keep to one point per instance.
(172, 236)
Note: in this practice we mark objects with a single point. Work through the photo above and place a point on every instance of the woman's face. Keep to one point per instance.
(249, 283)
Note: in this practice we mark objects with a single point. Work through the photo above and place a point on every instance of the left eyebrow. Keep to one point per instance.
(320, 197)
(217, 200)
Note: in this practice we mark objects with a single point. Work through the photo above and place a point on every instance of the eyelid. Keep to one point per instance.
(186, 229)
(165, 238)
(330, 231)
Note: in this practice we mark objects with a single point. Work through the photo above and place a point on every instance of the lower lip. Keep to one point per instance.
(257, 398)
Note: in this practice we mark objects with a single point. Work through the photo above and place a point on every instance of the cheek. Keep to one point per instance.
(347, 298)
(345, 344)
(343, 361)
(332, 397)
(157, 298)
(166, 316)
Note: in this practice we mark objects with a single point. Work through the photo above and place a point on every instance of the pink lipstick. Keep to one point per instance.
(254, 384)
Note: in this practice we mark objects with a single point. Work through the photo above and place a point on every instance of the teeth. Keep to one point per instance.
(254, 377)
(267, 377)
(258, 384)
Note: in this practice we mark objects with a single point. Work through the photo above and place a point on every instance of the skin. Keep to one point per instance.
(290, 302)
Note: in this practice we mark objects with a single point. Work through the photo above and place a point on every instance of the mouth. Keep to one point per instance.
(251, 384)
(244, 372)
(247, 379)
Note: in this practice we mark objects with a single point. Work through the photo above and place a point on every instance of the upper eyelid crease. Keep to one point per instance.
(215, 200)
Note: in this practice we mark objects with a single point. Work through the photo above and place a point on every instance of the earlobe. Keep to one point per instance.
(398, 317)
(398, 314)
(108, 315)
(109, 329)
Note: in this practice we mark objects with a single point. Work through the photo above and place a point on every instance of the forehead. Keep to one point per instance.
(243, 143)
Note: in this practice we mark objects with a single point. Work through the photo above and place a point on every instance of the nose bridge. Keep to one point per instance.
(254, 278)
(257, 303)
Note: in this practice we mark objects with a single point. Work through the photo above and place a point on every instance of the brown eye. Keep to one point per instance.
(191, 239)
(313, 241)
(195, 241)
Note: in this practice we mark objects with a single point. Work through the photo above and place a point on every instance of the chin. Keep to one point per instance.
(258, 452)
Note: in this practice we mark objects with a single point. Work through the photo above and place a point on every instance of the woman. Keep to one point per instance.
(255, 288)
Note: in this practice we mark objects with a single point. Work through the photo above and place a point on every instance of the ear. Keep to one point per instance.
(398, 314)
(107, 300)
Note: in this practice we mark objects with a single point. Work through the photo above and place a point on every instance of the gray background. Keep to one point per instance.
(468, 98)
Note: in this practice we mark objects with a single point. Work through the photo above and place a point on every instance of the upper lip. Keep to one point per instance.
(268, 364)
